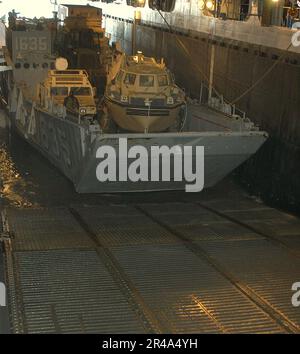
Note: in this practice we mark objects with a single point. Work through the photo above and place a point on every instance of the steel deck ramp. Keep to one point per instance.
(70, 291)
(156, 268)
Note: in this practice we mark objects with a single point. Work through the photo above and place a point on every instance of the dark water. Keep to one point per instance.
(272, 176)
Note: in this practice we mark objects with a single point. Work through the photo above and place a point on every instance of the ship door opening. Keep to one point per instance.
(162, 5)
(244, 10)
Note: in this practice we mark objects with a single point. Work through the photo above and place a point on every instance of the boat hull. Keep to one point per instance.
(73, 151)
(142, 119)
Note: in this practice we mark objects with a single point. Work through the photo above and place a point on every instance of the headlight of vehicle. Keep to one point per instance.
(170, 100)
(124, 98)
(82, 111)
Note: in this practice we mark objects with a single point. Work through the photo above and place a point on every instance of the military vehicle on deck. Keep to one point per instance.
(69, 92)
(141, 95)
(83, 42)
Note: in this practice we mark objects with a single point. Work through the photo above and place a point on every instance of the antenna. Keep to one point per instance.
(55, 11)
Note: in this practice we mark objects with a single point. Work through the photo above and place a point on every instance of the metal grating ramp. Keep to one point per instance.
(45, 229)
(185, 293)
(261, 218)
(291, 241)
(189, 296)
(266, 269)
(132, 228)
(58, 283)
(69, 291)
(163, 268)
(200, 224)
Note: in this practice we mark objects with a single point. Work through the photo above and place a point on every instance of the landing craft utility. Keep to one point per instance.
(53, 107)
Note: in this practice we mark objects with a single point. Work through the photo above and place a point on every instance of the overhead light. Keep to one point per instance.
(209, 4)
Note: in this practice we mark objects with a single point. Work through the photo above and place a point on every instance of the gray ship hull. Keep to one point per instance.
(72, 148)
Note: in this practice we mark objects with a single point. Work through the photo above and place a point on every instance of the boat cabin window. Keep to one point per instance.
(119, 75)
(136, 3)
(59, 91)
(146, 80)
(80, 91)
(162, 80)
(129, 79)
(148, 60)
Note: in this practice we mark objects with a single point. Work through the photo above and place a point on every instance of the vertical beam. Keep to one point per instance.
(253, 16)
(266, 18)
(211, 72)
(212, 59)
(136, 21)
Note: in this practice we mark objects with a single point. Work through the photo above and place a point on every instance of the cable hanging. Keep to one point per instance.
(237, 99)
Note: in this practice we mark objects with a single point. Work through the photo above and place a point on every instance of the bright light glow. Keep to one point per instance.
(33, 8)
(209, 5)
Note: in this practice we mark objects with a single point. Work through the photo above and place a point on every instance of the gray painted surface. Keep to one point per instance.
(72, 148)
(188, 17)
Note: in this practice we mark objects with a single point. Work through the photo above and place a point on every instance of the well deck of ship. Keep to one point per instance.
(213, 265)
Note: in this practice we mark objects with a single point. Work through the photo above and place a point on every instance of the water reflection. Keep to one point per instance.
(12, 185)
